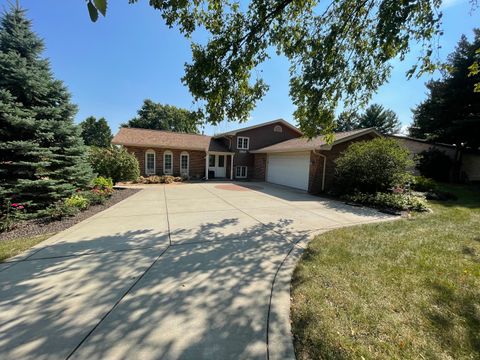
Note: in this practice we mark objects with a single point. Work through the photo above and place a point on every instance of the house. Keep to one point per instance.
(274, 151)
(468, 159)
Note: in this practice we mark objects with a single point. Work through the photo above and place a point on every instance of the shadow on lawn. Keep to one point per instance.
(207, 300)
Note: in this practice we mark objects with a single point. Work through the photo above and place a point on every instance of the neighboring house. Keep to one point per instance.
(274, 151)
(470, 159)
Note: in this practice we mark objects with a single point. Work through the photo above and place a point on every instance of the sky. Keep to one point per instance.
(112, 65)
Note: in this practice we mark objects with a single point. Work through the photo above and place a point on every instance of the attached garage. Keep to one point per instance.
(289, 169)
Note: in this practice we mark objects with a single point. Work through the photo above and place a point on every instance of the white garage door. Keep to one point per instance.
(289, 169)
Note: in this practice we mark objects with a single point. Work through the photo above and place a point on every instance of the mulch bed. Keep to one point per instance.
(40, 226)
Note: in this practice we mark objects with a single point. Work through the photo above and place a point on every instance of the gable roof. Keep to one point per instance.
(304, 144)
(167, 139)
(281, 121)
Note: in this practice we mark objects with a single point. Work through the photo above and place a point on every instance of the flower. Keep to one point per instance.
(20, 207)
(15, 205)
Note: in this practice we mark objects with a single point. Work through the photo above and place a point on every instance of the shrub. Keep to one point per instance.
(155, 179)
(396, 201)
(11, 214)
(421, 183)
(372, 166)
(434, 164)
(115, 163)
(77, 201)
(59, 210)
(95, 196)
(102, 183)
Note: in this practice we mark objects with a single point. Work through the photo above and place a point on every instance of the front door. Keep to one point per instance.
(216, 163)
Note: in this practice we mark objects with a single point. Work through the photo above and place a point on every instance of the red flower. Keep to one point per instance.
(15, 204)
(20, 207)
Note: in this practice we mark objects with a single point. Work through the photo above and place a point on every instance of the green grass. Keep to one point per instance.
(408, 289)
(9, 248)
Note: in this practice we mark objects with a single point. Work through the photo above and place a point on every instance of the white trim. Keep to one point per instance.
(240, 176)
(278, 129)
(243, 138)
(168, 152)
(185, 153)
(150, 152)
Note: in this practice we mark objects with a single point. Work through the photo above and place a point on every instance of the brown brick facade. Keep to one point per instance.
(196, 161)
(260, 165)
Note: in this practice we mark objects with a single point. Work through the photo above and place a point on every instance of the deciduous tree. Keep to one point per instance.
(96, 132)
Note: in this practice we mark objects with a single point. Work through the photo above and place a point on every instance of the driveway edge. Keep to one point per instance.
(280, 339)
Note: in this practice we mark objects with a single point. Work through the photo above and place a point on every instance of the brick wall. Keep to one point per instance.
(260, 165)
(315, 176)
(196, 159)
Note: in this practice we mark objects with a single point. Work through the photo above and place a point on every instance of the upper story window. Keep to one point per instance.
(277, 128)
(150, 162)
(243, 143)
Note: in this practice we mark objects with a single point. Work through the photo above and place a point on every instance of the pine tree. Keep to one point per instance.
(42, 156)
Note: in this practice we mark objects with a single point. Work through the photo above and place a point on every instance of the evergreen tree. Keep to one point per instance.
(451, 112)
(42, 156)
(375, 116)
(96, 132)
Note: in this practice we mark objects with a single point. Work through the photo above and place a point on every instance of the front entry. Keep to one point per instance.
(216, 163)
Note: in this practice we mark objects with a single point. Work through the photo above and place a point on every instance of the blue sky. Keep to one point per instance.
(111, 66)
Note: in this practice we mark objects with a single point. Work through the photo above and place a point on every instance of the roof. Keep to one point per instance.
(425, 141)
(283, 122)
(167, 139)
(305, 144)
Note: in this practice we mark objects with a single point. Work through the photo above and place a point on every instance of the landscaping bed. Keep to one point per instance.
(36, 227)
(395, 290)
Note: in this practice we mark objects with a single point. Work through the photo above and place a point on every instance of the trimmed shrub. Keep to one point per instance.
(434, 164)
(155, 179)
(115, 163)
(372, 166)
(102, 183)
(396, 201)
(59, 210)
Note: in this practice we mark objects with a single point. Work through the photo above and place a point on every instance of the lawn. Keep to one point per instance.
(408, 289)
(9, 248)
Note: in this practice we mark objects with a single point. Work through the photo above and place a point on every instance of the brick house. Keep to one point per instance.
(274, 151)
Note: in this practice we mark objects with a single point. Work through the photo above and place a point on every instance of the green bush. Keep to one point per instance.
(372, 166)
(77, 201)
(95, 196)
(59, 210)
(434, 164)
(421, 183)
(102, 183)
(115, 163)
(396, 201)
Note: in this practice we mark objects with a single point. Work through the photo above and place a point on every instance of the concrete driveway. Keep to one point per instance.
(173, 272)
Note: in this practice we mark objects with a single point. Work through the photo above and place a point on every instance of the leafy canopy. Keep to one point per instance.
(339, 51)
(376, 116)
(114, 162)
(156, 116)
(451, 112)
(96, 132)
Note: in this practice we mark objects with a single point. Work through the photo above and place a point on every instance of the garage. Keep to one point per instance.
(289, 169)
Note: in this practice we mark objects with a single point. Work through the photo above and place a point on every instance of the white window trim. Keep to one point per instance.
(240, 176)
(170, 172)
(243, 138)
(182, 172)
(278, 129)
(147, 171)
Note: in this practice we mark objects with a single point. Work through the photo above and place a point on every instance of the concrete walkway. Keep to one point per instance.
(173, 272)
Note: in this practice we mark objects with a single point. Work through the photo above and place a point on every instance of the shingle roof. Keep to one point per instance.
(304, 144)
(167, 139)
(281, 121)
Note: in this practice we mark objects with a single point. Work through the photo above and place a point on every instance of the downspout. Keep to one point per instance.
(324, 167)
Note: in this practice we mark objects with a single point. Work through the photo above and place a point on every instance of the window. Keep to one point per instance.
(211, 160)
(243, 143)
(184, 163)
(168, 162)
(277, 128)
(221, 160)
(241, 172)
(150, 162)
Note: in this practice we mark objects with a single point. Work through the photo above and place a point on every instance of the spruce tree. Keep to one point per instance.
(42, 156)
